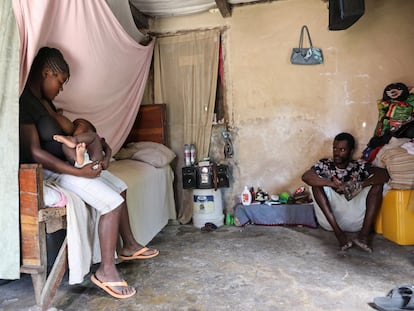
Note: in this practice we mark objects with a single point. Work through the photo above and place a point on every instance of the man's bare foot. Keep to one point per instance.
(346, 246)
(362, 244)
(65, 140)
(344, 243)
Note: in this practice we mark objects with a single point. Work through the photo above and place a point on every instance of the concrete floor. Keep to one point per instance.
(241, 268)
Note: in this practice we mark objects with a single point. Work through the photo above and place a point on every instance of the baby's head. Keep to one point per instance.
(82, 126)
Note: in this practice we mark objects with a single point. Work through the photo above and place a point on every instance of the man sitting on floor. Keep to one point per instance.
(347, 193)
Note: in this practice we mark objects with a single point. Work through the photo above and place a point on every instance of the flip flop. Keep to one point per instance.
(398, 299)
(139, 254)
(362, 245)
(208, 227)
(106, 286)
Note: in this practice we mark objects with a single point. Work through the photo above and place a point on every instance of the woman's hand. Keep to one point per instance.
(91, 170)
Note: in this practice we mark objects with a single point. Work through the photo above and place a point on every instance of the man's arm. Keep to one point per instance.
(314, 180)
(378, 176)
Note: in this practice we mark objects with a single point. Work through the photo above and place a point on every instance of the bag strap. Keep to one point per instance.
(304, 27)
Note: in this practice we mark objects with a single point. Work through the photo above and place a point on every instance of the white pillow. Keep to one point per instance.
(152, 153)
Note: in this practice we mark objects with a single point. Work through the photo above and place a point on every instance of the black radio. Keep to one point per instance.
(206, 177)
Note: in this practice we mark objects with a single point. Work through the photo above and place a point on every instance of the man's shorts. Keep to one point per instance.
(102, 193)
(348, 214)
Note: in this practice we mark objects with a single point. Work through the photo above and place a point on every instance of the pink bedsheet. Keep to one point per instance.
(108, 68)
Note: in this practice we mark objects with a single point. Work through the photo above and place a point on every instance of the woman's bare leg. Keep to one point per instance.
(108, 228)
(130, 245)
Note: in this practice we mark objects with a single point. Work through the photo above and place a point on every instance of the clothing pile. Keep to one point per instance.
(395, 118)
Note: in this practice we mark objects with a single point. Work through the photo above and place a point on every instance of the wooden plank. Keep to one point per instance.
(28, 220)
(28, 176)
(31, 199)
(31, 241)
(55, 276)
(56, 224)
(50, 213)
(30, 244)
(224, 8)
(29, 204)
(30, 269)
(150, 125)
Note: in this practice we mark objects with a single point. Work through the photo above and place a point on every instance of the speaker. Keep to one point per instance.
(344, 13)
(189, 177)
(223, 176)
(205, 177)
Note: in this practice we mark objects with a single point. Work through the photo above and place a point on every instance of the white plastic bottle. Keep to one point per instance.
(246, 196)
(193, 154)
(187, 160)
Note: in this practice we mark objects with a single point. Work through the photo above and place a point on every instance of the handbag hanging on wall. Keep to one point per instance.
(306, 56)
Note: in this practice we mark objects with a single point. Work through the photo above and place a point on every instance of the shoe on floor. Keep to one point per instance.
(398, 299)
(139, 254)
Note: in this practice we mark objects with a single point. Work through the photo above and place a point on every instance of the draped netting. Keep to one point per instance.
(108, 76)
(108, 67)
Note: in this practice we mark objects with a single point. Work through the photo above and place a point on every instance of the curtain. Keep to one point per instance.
(9, 151)
(108, 74)
(185, 77)
(108, 67)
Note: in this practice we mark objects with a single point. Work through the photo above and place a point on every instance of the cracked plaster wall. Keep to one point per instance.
(283, 117)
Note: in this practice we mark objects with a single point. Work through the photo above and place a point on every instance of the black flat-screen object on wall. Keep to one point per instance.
(344, 13)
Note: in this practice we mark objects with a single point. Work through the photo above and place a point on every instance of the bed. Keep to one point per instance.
(144, 164)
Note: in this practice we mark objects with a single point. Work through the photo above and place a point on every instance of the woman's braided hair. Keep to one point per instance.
(52, 58)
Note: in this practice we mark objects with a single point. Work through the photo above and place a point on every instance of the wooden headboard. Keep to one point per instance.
(150, 125)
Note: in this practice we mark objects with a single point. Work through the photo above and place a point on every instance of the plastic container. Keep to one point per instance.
(207, 207)
(193, 154)
(187, 155)
(395, 221)
(246, 196)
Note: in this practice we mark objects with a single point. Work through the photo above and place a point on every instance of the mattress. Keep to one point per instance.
(150, 196)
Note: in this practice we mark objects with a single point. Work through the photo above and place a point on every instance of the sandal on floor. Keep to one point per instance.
(208, 227)
(398, 299)
(139, 254)
(106, 286)
(362, 245)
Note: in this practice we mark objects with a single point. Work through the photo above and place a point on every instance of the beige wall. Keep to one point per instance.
(283, 117)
